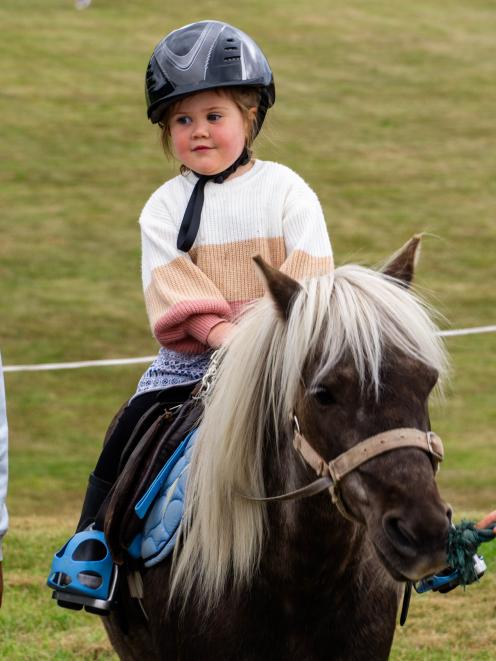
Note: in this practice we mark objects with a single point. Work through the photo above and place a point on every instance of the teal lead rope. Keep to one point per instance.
(465, 566)
(463, 542)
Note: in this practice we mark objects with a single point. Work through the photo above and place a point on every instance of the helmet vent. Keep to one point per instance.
(231, 52)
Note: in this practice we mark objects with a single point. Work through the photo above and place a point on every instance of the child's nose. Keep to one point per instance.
(200, 129)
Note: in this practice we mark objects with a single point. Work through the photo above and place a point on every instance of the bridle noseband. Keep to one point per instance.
(331, 473)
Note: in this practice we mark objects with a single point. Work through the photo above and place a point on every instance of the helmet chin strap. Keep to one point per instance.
(192, 216)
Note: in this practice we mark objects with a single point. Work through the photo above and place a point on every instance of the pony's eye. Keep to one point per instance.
(323, 396)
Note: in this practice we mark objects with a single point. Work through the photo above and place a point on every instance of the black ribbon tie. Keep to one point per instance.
(192, 216)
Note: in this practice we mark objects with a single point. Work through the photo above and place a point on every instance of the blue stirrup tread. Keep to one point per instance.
(64, 564)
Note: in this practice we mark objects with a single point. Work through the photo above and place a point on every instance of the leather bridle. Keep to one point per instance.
(331, 473)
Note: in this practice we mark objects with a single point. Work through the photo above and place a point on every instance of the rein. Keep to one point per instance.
(331, 473)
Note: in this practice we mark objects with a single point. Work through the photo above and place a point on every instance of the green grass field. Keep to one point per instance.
(385, 108)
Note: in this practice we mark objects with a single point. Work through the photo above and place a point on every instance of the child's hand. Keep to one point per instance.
(219, 334)
(489, 521)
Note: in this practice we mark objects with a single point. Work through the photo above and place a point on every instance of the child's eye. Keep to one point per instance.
(214, 116)
(184, 120)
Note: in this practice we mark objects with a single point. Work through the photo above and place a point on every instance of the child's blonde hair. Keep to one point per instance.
(244, 97)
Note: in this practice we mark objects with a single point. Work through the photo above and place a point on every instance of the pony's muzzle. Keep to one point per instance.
(418, 540)
(400, 535)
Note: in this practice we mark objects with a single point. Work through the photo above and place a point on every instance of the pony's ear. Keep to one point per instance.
(281, 287)
(403, 263)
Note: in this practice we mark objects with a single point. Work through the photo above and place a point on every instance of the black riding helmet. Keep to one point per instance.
(203, 56)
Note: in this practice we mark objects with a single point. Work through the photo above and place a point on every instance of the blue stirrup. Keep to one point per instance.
(73, 573)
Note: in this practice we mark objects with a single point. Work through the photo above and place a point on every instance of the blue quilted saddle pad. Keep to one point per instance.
(162, 507)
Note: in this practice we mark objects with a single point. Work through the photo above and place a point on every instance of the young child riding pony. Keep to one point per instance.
(208, 86)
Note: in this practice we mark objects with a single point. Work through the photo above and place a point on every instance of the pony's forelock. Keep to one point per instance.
(354, 311)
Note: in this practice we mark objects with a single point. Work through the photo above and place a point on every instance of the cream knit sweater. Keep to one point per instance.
(268, 210)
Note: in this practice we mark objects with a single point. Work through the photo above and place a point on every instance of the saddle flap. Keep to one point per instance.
(122, 522)
(162, 521)
(167, 474)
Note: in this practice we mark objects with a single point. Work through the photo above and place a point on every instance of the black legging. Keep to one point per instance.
(107, 467)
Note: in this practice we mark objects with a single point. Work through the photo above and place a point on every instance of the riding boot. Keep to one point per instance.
(83, 573)
(96, 493)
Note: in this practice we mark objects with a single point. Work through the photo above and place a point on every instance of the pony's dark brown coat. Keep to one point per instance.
(326, 588)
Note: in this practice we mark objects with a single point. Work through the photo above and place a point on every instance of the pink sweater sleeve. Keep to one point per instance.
(183, 304)
(186, 326)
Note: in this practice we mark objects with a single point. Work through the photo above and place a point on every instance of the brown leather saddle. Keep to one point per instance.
(140, 466)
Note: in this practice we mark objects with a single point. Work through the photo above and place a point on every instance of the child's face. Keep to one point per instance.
(208, 132)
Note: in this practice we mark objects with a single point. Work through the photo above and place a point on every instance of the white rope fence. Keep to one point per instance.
(44, 367)
(468, 331)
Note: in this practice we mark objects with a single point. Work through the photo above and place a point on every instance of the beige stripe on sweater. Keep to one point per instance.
(217, 273)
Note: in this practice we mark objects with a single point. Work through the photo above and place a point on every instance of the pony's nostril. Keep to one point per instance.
(449, 512)
(399, 535)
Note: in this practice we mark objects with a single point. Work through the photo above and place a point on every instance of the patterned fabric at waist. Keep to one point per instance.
(171, 368)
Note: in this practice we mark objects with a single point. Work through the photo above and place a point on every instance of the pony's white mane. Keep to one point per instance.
(355, 310)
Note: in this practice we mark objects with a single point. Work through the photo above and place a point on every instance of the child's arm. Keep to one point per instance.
(308, 247)
(489, 521)
(183, 304)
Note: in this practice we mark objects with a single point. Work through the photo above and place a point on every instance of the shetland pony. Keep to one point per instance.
(345, 357)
